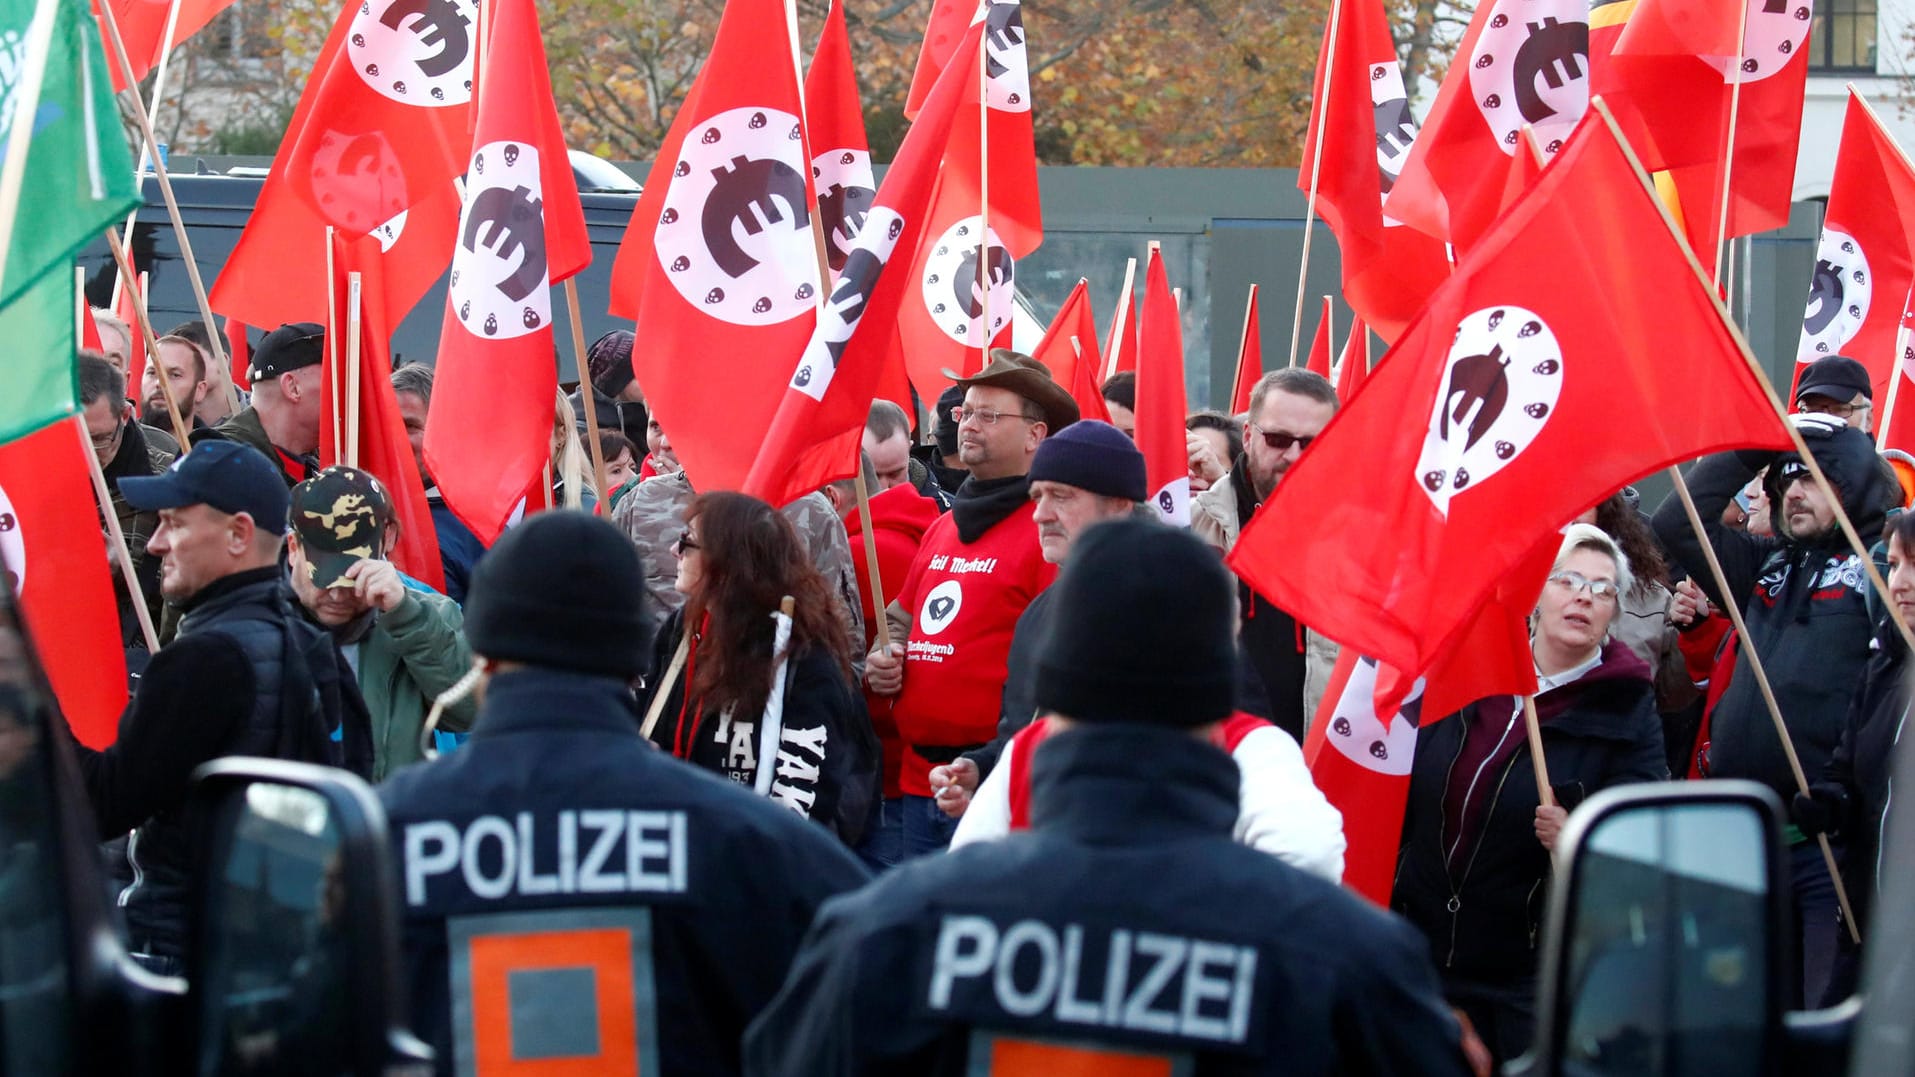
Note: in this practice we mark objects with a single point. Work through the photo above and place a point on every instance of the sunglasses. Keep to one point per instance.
(1281, 442)
(684, 542)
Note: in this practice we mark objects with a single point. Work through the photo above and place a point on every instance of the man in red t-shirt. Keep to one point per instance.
(978, 567)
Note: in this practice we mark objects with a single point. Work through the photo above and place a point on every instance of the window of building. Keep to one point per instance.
(1842, 38)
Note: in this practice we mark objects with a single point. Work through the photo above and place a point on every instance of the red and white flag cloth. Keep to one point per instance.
(961, 311)
(1368, 133)
(1161, 405)
(380, 134)
(1353, 367)
(943, 31)
(142, 26)
(1520, 62)
(840, 154)
(1249, 358)
(1898, 408)
(1069, 351)
(851, 359)
(1318, 361)
(489, 429)
(1545, 379)
(719, 264)
(1865, 262)
(52, 555)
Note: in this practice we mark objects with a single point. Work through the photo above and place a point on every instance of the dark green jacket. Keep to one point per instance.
(407, 658)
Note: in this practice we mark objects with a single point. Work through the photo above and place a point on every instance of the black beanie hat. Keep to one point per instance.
(1094, 456)
(1142, 629)
(565, 590)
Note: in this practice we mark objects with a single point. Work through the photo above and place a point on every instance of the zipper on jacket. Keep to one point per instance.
(1474, 778)
(1456, 890)
(133, 861)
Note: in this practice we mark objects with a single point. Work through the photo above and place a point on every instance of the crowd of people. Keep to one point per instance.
(982, 794)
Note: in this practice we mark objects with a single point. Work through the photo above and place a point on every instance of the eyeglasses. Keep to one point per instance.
(1576, 583)
(107, 441)
(987, 416)
(1822, 405)
(684, 542)
(1280, 441)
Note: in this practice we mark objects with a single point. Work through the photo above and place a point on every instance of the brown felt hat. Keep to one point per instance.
(1029, 379)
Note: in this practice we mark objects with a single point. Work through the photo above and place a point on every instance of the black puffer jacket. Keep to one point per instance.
(1862, 763)
(1804, 602)
(1482, 920)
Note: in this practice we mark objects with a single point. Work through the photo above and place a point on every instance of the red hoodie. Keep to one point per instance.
(899, 518)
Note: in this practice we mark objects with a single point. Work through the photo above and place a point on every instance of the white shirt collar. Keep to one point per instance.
(1546, 682)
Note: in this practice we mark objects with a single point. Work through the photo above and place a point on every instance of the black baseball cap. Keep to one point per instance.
(230, 477)
(290, 347)
(341, 516)
(1837, 377)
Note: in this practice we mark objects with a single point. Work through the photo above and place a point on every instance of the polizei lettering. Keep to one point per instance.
(1138, 981)
(574, 852)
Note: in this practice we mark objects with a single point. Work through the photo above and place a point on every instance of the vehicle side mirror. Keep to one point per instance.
(1665, 948)
(293, 954)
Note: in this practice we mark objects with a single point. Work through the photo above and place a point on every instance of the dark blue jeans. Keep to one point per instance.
(926, 829)
(883, 844)
(1817, 923)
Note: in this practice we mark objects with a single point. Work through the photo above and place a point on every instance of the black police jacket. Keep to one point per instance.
(568, 891)
(1125, 922)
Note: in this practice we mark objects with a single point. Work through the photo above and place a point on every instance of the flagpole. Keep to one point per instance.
(152, 117)
(332, 343)
(355, 296)
(152, 343)
(587, 394)
(871, 560)
(136, 597)
(1316, 167)
(1117, 321)
(172, 204)
(1896, 373)
(26, 104)
(1535, 730)
(1243, 345)
(81, 310)
(1728, 152)
(984, 189)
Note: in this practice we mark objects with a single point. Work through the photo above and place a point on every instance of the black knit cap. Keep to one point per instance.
(609, 360)
(1141, 629)
(564, 590)
(946, 427)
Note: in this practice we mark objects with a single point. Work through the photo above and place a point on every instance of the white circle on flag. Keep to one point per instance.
(500, 287)
(1531, 66)
(1395, 124)
(1500, 385)
(950, 285)
(416, 52)
(941, 607)
(13, 544)
(1007, 83)
(1777, 30)
(846, 192)
(1839, 296)
(735, 234)
(1360, 736)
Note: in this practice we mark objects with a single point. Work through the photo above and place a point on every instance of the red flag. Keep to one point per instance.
(1160, 396)
(1249, 358)
(719, 263)
(1542, 365)
(142, 26)
(962, 309)
(90, 329)
(850, 360)
(1368, 133)
(128, 310)
(1521, 61)
(840, 155)
(52, 554)
(381, 132)
(1353, 367)
(1318, 361)
(1069, 350)
(942, 32)
(489, 428)
(1898, 408)
(383, 449)
(241, 351)
(1864, 267)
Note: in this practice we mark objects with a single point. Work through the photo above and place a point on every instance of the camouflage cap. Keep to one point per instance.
(341, 516)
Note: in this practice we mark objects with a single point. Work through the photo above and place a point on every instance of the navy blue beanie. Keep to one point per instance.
(1092, 456)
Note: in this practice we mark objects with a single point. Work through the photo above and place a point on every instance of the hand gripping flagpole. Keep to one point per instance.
(772, 728)
(172, 204)
(1729, 603)
(1316, 167)
(145, 326)
(136, 597)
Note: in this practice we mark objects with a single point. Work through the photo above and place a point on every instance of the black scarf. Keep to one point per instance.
(981, 504)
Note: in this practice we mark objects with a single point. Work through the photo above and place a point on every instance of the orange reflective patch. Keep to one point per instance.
(607, 953)
(1031, 1058)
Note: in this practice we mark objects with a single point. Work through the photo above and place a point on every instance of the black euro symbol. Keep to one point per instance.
(1003, 31)
(1479, 384)
(1395, 131)
(842, 210)
(744, 185)
(436, 23)
(1554, 51)
(848, 299)
(1825, 297)
(964, 282)
(517, 225)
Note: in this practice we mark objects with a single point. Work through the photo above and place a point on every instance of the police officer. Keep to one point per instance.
(568, 891)
(1126, 926)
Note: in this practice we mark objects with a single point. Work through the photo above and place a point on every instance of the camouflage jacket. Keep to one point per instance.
(653, 513)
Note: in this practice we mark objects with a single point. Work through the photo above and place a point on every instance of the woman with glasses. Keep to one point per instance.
(1475, 862)
(737, 559)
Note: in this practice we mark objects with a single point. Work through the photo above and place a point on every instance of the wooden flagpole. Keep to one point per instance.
(82, 311)
(983, 194)
(136, 597)
(1243, 345)
(1535, 730)
(332, 347)
(588, 396)
(172, 204)
(26, 103)
(355, 296)
(1316, 168)
(152, 117)
(1728, 149)
(1118, 319)
(145, 326)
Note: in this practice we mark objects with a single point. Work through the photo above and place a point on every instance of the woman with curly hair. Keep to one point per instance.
(738, 558)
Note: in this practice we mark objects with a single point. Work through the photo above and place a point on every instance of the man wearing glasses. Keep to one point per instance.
(1839, 386)
(977, 569)
(1288, 409)
(125, 449)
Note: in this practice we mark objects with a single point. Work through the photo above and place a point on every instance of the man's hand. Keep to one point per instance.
(884, 670)
(378, 583)
(1689, 607)
(1204, 466)
(1549, 825)
(953, 783)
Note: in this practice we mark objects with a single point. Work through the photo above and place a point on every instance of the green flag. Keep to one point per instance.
(79, 179)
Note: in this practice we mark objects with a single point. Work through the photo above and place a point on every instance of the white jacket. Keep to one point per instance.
(1280, 809)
